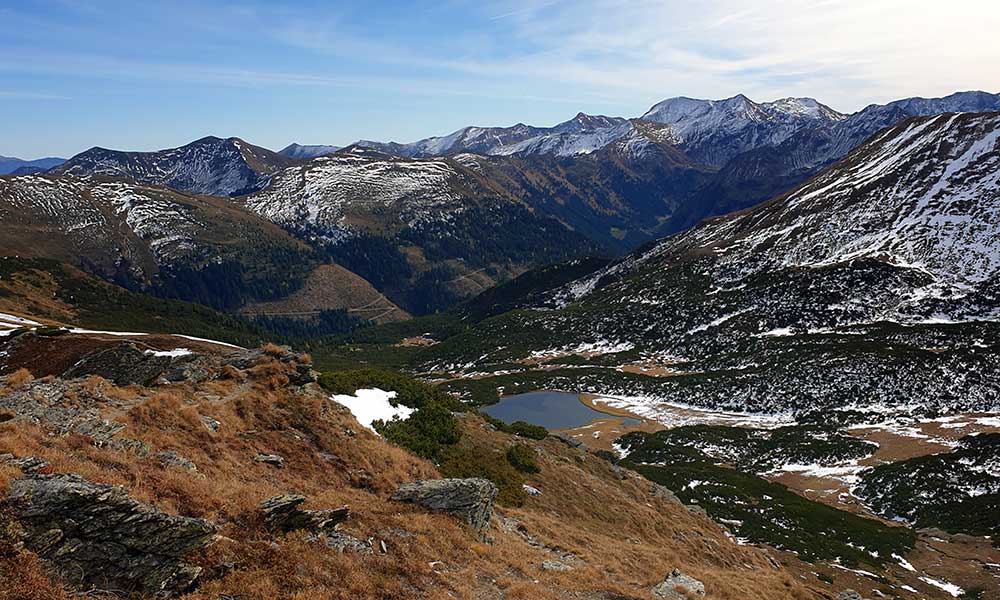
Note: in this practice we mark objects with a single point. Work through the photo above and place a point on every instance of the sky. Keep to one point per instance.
(149, 75)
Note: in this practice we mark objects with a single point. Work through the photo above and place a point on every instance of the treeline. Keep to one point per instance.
(327, 322)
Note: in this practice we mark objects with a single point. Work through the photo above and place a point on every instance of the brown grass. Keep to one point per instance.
(625, 539)
(17, 380)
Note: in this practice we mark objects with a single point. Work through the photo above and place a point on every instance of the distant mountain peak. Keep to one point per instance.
(208, 165)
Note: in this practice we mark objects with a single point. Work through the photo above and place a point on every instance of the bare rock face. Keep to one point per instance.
(469, 499)
(126, 364)
(678, 586)
(95, 536)
(283, 513)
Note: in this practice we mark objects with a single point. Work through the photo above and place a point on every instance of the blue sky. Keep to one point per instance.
(148, 75)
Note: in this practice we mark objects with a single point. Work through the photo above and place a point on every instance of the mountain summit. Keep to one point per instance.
(211, 165)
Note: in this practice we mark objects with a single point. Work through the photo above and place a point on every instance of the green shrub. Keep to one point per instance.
(518, 428)
(523, 458)
(462, 461)
(429, 429)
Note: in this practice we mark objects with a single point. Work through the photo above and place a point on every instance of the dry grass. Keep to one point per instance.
(17, 380)
(625, 539)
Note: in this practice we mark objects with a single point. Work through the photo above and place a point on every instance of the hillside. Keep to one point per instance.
(877, 275)
(424, 232)
(227, 429)
(196, 248)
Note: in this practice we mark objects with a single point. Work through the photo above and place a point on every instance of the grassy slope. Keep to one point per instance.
(50, 290)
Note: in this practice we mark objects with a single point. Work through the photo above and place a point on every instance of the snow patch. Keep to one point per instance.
(370, 405)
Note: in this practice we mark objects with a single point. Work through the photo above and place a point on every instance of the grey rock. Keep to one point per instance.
(696, 509)
(566, 439)
(283, 513)
(663, 493)
(469, 499)
(270, 459)
(341, 542)
(849, 595)
(555, 565)
(27, 464)
(172, 459)
(246, 358)
(678, 586)
(63, 407)
(126, 364)
(210, 423)
(129, 446)
(96, 536)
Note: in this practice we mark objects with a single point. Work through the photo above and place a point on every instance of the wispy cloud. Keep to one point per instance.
(25, 95)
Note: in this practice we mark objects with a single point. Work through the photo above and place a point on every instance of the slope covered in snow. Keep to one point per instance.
(715, 131)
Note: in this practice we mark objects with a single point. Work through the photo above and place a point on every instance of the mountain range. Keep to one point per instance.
(432, 222)
(10, 164)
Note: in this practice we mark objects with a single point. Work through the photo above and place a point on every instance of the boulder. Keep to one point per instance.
(468, 499)
(678, 586)
(96, 536)
(210, 423)
(270, 459)
(283, 513)
(849, 595)
(663, 493)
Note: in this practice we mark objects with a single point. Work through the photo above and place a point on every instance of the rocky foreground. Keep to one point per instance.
(142, 468)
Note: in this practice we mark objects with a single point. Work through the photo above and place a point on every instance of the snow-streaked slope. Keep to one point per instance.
(307, 151)
(582, 134)
(221, 167)
(91, 214)
(924, 194)
(320, 196)
(715, 131)
(114, 226)
(875, 286)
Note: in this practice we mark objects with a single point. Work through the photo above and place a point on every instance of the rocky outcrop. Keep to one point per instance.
(849, 595)
(170, 458)
(469, 499)
(127, 364)
(283, 513)
(555, 565)
(27, 464)
(663, 493)
(95, 536)
(678, 586)
(63, 407)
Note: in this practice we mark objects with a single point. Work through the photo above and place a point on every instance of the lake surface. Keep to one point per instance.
(551, 410)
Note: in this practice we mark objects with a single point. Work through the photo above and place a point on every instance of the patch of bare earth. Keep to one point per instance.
(332, 287)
